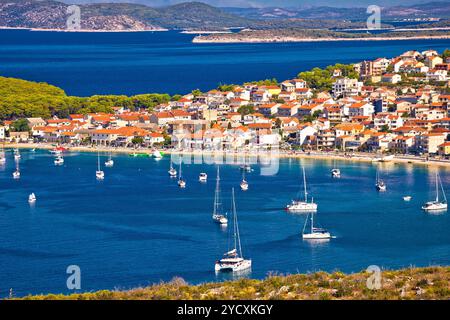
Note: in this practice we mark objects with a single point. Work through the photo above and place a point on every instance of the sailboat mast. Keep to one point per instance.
(437, 188)
(236, 228)
(217, 193)
(312, 222)
(304, 185)
(98, 161)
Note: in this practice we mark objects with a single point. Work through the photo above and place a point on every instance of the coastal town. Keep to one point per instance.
(395, 105)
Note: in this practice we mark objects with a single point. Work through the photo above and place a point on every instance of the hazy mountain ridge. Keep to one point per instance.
(116, 16)
(50, 14)
(426, 10)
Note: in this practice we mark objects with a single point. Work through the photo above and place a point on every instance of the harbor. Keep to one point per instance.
(136, 226)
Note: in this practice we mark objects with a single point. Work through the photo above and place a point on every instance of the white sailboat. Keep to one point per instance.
(32, 198)
(244, 183)
(302, 206)
(99, 174)
(379, 184)
(181, 181)
(217, 216)
(314, 233)
(335, 172)
(437, 205)
(59, 161)
(16, 154)
(233, 260)
(172, 171)
(110, 162)
(16, 174)
(203, 177)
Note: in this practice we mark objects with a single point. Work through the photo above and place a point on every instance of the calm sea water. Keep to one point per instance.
(137, 227)
(141, 62)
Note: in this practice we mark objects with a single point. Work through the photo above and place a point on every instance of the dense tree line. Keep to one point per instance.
(321, 79)
(20, 98)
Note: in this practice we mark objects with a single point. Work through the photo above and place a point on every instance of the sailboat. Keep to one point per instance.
(217, 216)
(59, 161)
(314, 233)
(16, 174)
(110, 161)
(244, 183)
(233, 260)
(99, 174)
(436, 205)
(203, 177)
(335, 172)
(32, 198)
(379, 184)
(172, 171)
(16, 154)
(302, 206)
(181, 181)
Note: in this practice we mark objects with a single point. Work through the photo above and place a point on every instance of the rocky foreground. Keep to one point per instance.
(410, 283)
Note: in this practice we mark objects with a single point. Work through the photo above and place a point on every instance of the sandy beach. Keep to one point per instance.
(355, 157)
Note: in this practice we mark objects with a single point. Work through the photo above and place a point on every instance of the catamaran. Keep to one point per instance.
(99, 174)
(233, 260)
(314, 233)
(379, 184)
(436, 205)
(203, 177)
(181, 181)
(217, 216)
(59, 161)
(110, 161)
(32, 198)
(172, 171)
(302, 206)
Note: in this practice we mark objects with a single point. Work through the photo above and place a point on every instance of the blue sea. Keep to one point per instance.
(137, 227)
(129, 63)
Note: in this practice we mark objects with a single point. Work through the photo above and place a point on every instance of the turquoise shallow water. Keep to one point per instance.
(137, 227)
(141, 62)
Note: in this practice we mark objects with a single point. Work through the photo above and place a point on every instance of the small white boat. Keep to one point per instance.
(437, 205)
(203, 177)
(407, 198)
(2, 159)
(33, 150)
(314, 233)
(99, 174)
(244, 185)
(233, 260)
(59, 161)
(336, 173)
(217, 216)
(16, 174)
(379, 184)
(172, 171)
(32, 198)
(156, 154)
(302, 206)
(17, 156)
(181, 181)
(110, 162)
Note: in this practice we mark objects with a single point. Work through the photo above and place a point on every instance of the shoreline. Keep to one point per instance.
(313, 155)
(288, 39)
(79, 30)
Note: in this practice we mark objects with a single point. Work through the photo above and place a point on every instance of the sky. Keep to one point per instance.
(273, 3)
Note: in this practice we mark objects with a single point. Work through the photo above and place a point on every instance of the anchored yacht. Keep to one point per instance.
(302, 206)
(437, 205)
(217, 215)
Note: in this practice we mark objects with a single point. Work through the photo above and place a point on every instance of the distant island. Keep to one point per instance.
(301, 35)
